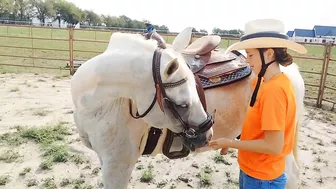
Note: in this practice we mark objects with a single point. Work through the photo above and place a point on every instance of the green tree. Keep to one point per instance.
(69, 12)
(203, 31)
(92, 18)
(44, 9)
(6, 8)
(23, 9)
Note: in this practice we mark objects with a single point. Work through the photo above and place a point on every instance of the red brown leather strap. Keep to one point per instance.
(200, 91)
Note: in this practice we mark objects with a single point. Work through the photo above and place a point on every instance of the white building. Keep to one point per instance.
(319, 34)
(52, 23)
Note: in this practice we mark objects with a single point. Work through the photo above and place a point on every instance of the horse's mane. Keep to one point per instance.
(128, 41)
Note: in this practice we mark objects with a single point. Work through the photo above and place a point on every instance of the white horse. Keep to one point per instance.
(104, 88)
(230, 104)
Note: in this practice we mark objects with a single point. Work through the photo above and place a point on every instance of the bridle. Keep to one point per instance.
(189, 131)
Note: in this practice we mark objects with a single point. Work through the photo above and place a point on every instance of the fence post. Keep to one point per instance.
(71, 50)
(324, 72)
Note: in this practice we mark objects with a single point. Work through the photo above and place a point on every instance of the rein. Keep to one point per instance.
(189, 131)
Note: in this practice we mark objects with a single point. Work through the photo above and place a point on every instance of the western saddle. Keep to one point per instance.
(213, 66)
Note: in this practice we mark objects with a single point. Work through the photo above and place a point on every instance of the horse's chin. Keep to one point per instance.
(191, 147)
(194, 144)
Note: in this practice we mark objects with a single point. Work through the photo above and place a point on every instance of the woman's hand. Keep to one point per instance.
(220, 143)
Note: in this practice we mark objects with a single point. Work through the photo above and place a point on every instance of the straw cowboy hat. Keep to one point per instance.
(266, 33)
(147, 22)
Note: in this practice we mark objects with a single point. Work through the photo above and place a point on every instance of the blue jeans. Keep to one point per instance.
(247, 182)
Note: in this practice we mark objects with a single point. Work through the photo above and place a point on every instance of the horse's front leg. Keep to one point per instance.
(118, 157)
(116, 171)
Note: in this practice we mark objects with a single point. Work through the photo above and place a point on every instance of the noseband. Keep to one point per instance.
(189, 131)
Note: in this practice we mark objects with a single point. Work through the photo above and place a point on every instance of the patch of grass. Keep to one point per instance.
(10, 156)
(25, 171)
(46, 165)
(218, 158)
(230, 180)
(207, 169)
(95, 171)
(147, 174)
(162, 184)
(50, 138)
(15, 89)
(49, 183)
(320, 180)
(57, 153)
(4, 180)
(79, 183)
(317, 169)
(318, 159)
(139, 167)
(13, 139)
(305, 148)
(43, 135)
(32, 182)
(78, 159)
(41, 113)
(46, 134)
(65, 182)
(205, 178)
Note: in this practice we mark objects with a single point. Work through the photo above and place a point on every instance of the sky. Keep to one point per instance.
(224, 14)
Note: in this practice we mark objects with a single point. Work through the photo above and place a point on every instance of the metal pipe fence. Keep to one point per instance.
(82, 44)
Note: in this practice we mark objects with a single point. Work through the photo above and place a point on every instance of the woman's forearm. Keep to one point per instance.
(259, 145)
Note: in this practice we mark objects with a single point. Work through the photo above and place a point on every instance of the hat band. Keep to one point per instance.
(264, 34)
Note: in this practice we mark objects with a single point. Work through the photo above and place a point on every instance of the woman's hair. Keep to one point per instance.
(281, 56)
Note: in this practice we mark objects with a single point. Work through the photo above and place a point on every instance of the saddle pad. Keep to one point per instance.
(223, 68)
(226, 79)
(203, 45)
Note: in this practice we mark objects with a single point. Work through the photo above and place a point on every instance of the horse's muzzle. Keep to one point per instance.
(196, 137)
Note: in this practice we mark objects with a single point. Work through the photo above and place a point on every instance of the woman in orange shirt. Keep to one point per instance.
(268, 130)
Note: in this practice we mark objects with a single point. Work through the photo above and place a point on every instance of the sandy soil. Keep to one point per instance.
(33, 101)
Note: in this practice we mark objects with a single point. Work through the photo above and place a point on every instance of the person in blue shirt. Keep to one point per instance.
(149, 26)
(152, 34)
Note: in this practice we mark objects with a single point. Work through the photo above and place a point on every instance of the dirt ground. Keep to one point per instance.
(39, 146)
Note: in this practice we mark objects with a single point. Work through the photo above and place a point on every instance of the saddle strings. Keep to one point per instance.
(260, 75)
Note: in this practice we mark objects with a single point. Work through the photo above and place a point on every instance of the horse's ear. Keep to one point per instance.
(171, 68)
(182, 40)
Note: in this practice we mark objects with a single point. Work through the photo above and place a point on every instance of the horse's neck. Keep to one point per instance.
(110, 76)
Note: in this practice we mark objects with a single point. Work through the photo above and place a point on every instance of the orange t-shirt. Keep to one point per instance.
(274, 109)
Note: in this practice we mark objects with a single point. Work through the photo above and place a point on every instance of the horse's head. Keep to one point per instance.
(164, 92)
(178, 98)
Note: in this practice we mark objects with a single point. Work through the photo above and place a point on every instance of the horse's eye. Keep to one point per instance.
(183, 106)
